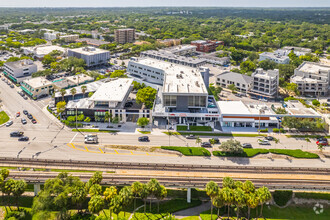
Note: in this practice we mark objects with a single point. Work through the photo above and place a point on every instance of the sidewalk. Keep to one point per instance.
(194, 211)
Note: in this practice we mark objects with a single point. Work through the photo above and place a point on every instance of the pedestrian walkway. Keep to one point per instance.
(194, 211)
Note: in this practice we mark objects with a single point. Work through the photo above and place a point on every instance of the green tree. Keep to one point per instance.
(232, 87)
(239, 200)
(264, 196)
(116, 204)
(96, 204)
(218, 201)
(252, 202)
(48, 59)
(153, 188)
(161, 194)
(73, 91)
(198, 140)
(247, 66)
(18, 189)
(212, 141)
(136, 190)
(109, 194)
(146, 96)
(79, 195)
(212, 190)
(268, 64)
(142, 122)
(232, 146)
(90, 94)
(228, 197)
(307, 141)
(126, 196)
(87, 119)
(63, 92)
(144, 195)
(316, 102)
(118, 74)
(60, 107)
(292, 87)
(95, 189)
(83, 90)
(228, 182)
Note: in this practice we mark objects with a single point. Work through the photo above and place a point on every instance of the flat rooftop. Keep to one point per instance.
(38, 82)
(170, 56)
(274, 55)
(92, 41)
(20, 64)
(90, 87)
(43, 50)
(113, 91)
(241, 108)
(313, 68)
(89, 50)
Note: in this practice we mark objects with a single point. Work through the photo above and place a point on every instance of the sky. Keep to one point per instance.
(152, 3)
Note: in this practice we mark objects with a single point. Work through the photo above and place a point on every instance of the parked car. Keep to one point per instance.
(25, 112)
(322, 139)
(191, 136)
(269, 138)
(206, 144)
(263, 142)
(23, 138)
(246, 145)
(29, 116)
(91, 140)
(322, 142)
(18, 114)
(25, 98)
(144, 139)
(23, 120)
(12, 86)
(9, 123)
(216, 140)
(16, 134)
(34, 121)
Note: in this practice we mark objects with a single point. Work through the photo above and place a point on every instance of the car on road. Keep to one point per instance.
(16, 134)
(269, 138)
(34, 121)
(216, 140)
(9, 123)
(25, 98)
(246, 145)
(29, 116)
(323, 142)
(25, 112)
(91, 140)
(12, 86)
(23, 120)
(18, 114)
(144, 139)
(23, 138)
(191, 136)
(263, 142)
(206, 144)
(321, 139)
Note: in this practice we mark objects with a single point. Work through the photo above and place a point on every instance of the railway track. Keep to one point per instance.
(170, 181)
(112, 166)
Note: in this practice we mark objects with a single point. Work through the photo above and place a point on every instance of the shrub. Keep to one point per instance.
(189, 151)
(315, 102)
(232, 146)
(312, 195)
(282, 197)
(276, 130)
(264, 130)
(181, 127)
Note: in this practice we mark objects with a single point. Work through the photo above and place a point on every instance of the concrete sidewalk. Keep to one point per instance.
(194, 211)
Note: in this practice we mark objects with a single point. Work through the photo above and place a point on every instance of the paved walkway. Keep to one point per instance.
(194, 211)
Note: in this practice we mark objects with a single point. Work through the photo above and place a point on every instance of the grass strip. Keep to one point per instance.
(3, 117)
(189, 151)
(253, 152)
(312, 195)
(305, 136)
(214, 134)
(95, 130)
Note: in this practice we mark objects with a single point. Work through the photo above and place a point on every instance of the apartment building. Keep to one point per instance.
(265, 84)
(92, 42)
(19, 70)
(206, 46)
(69, 38)
(298, 51)
(242, 82)
(92, 56)
(37, 87)
(51, 35)
(276, 57)
(312, 79)
(123, 36)
(170, 42)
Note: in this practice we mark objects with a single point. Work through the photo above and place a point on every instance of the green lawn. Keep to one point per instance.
(3, 117)
(311, 195)
(256, 151)
(94, 130)
(193, 128)
(144, 132)
(189, 151)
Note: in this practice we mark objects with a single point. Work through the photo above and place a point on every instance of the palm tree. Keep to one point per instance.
(308, 141)
(228, 198)
(239, 199)
(212, 141)
(18, 189)
(218, 202)
(228, 182)
(73, 91)
(109, 194)
(238, 185)
(63, 92)
(116, 205)
(83, 90)
(198, 140)
(126, 196)
(136, 190)
(252, 201)
(144, 195)
(78, 196)
(248, 187)
(264, 196)
(96, 204)
(212, 190)
(153, 187)
(161, 194)
(276, 141)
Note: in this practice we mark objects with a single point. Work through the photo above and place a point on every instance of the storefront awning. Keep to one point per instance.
(27, 91)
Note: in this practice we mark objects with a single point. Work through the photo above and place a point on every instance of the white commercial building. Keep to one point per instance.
(51, 35)
(40, 51)
(242, 82)
(298, 51)
(37, 87)
(277, 58)
(92, 56)
(19, 70)
(265, 84)
(312, 79)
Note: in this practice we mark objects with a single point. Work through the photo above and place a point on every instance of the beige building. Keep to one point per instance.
(170, 42)
(69, 38)
(123, 36)
(36, 87)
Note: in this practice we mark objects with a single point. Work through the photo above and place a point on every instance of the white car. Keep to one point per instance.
(9, 123)
(91, 141)
(263, 142)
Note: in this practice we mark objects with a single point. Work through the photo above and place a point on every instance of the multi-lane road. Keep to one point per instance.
(49, 139)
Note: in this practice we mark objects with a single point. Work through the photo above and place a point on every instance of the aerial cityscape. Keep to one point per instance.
(164, 110)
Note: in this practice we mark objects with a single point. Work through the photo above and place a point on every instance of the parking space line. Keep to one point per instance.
(131, 152)
(74, 137)
(101, 150)
(86, 149)
(116, 151)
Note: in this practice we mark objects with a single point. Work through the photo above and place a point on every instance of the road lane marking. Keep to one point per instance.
(131, 152)
(101, 150)
(87, 149)
(73, 137)
(116, 151)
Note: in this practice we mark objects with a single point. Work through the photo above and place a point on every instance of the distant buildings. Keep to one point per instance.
(92, 56)
(51, 35)
(39, 52)
(170, 42)
(123, 36)
(276, 57)
(206, 46)
(214, 59)
(37, 87)
(265, 84)
(242, 82)
(312, 79)
(69, 38)
(92, 42)
(182, 50)
(19, 70)
(298, 51)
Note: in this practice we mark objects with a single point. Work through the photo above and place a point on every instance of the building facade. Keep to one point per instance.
(242, 82)
(276, 57)
(92, 56)
(19, 70)
(37, 87)
(206, 46)
(123, 36)
(312, 79)
(69, 38)
(265, 84)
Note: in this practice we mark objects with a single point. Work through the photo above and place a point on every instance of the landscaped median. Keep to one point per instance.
(95, 130)
(193, 128)
(215, 134)
(254, 152)
(306, 136)
(189, 151)
(3, 117)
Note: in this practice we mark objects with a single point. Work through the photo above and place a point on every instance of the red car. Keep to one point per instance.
(18, 114)
(322, 142)
(34, 121)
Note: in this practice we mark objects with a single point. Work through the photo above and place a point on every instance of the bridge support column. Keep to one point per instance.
(189, 195)
(36, 189)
